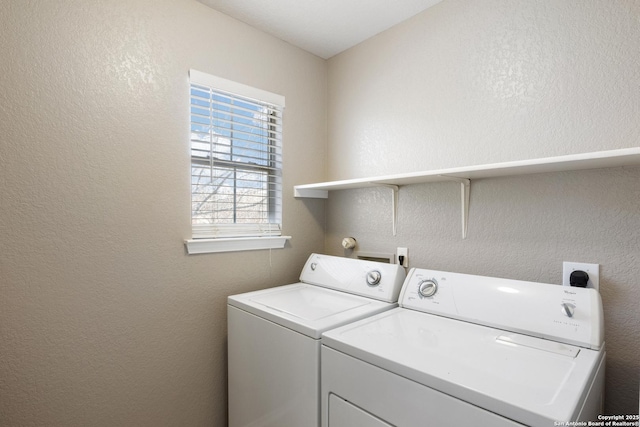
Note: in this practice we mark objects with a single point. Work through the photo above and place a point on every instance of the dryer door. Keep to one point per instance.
(344, 414)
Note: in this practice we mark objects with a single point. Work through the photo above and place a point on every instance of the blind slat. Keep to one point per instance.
(267, 123)
(203, 108)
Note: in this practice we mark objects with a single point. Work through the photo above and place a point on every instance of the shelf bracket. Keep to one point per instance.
(465, 190)
(394, 203)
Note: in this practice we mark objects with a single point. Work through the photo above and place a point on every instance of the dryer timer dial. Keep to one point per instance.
(427, 288)
(373, 278)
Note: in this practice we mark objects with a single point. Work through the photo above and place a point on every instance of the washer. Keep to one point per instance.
(274, 336)
(468, 350)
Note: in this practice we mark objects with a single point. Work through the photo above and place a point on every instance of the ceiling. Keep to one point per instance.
(322, 27)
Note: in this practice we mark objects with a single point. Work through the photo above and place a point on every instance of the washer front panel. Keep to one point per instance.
(392, 399)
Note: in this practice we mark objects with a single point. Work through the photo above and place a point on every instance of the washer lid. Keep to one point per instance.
(308, 309)
(308, 303)
(527, 379)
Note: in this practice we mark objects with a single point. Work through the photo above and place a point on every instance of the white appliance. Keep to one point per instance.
(466, 350)
(274, 337)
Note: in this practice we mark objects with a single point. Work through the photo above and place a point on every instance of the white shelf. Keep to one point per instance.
(464, 175)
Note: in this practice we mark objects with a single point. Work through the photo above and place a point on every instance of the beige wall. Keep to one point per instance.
(473, 82)
(469, 82)
(104, 320)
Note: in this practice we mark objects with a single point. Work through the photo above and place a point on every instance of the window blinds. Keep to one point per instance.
(236, 159)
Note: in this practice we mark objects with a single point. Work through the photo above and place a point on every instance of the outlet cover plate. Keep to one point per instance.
(593, 270)
(405, 253)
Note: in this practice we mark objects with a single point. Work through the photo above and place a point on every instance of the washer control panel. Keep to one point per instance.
(566, 314)
(367, 278)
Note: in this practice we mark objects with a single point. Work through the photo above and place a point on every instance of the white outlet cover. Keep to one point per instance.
(593, 270)
(405, 253)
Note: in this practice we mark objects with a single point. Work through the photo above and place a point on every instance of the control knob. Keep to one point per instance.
(568, 309)
(427, 288)
(373, 278)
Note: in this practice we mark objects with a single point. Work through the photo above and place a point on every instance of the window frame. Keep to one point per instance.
(234, 237)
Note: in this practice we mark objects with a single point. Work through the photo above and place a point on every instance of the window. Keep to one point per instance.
(236, 159)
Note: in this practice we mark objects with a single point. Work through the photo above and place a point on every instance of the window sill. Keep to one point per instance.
(206, 246)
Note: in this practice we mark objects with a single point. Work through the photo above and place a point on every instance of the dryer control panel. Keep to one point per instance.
(565, 314)
(367, 278)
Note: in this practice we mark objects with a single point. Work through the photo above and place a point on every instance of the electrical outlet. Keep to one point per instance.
(403, 252)
(593, 270)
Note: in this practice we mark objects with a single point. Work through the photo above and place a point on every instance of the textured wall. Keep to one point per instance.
(104, 320)
(480, 82)
(473, 82)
